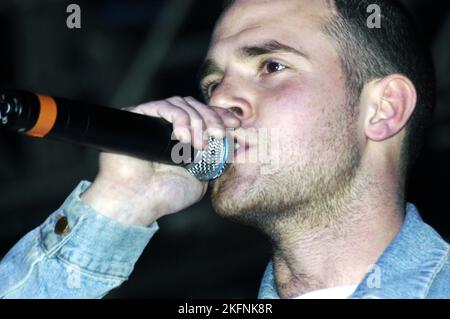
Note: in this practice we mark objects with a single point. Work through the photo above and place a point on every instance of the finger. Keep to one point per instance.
(179, 118)
(214, 123)
(228, 117)
(198, 126)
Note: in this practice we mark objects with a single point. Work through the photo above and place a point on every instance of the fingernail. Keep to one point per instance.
(235, 122)
(183, 135)
(216, 132)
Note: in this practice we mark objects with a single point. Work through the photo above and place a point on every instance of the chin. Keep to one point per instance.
(232, 192)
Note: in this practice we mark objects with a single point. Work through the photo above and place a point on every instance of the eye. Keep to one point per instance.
(209, 87)
(272, 67)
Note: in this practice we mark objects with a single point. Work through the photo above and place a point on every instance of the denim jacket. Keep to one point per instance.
(88, 255)
(86, 259)
(415, 265)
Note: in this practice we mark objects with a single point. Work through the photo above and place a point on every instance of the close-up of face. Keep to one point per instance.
(158, 149)
(272, 63)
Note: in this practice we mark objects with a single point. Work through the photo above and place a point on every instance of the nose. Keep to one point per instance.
(232, 97)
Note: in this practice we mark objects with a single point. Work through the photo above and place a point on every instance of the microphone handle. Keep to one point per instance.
(102, 128)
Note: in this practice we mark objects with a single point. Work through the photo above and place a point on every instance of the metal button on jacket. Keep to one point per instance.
(62, 225)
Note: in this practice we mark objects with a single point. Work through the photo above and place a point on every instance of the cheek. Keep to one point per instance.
(292, 120)
(292, 109)
(308, 119)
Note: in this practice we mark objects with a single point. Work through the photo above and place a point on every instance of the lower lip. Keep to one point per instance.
(238, 153)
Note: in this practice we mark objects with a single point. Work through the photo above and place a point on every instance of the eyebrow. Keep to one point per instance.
(210, 66)
(269, 47)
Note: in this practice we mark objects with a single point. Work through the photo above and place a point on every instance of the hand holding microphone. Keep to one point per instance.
(150, 190)
(134, 190)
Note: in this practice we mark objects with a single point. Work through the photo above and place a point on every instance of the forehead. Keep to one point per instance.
(289, 19)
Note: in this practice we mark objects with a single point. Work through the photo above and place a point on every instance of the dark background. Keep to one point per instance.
(129, 52)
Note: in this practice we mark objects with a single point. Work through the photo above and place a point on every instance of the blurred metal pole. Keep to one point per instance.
(154, 48)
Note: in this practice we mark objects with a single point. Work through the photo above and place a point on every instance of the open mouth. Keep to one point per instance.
(236, 144)
(240, 148)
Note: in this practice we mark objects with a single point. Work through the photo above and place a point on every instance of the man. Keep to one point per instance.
(349, 101)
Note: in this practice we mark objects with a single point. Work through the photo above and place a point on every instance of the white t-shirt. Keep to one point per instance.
(342, 292)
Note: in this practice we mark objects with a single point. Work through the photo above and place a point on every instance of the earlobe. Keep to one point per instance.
(393, 100)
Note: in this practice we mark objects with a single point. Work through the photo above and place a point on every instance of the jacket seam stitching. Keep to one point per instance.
(25, 278)
(53, 252)
(91, 273)
(440, 267)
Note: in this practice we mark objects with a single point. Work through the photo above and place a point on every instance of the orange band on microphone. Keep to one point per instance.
(47, 117)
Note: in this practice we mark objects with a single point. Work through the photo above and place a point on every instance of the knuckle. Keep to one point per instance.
(213, 122)
(181, 115)
(190, 99)
(175, 99)
(197, 122)
(214, 116)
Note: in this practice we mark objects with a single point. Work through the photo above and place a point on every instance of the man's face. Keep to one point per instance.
(275, 64)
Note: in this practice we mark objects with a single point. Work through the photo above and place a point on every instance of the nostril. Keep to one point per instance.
(237, 110)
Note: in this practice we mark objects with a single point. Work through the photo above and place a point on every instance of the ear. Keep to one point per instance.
(391, 102)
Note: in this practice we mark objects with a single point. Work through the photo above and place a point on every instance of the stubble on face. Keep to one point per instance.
(316, 172)
(314, 180)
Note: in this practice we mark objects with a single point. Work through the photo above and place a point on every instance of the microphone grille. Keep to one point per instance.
(211, 162)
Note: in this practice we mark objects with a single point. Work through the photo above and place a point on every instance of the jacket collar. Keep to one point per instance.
(405, 270)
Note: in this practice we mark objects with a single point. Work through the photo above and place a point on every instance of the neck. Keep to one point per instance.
(340, 252)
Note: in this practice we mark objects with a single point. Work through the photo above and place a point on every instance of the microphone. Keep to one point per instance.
(109, 130)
